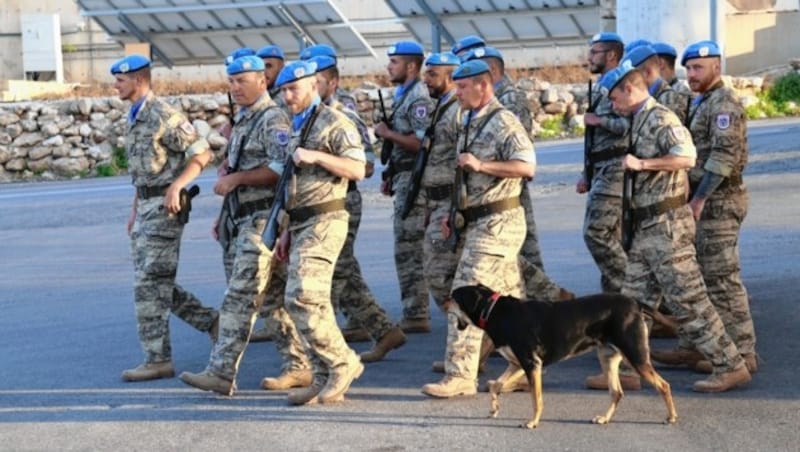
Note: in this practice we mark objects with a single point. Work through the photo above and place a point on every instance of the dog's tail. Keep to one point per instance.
(657, 316)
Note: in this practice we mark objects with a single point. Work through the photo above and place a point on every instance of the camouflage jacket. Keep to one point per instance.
(412, 114)
(612, 133)
(440, 169)
(159, 140)
(719, 130)
(677, 102)
(515, 101)
(363, 130)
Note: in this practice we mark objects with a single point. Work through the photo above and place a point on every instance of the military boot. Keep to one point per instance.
(354, 332)
(149, 371)
(394, 338)
(628, 382)
(438, 367)
(287, 380)
(415, 326)
(724, 381)
(750, 361)
(451, 386)
(677, 357)
(308, 395)
(339, 381)
(261, 335)
(207, 381)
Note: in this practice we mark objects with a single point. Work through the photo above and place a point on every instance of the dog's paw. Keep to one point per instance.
(671, 420)
(530, 425)
(600, 420)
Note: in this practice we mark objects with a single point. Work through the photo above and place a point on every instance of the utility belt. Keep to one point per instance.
(728, 182)
(641, 214)
(439, 192)
(608, 154)
(145, 192)
(301, 214)
(351, 186)
(477, 212)
(250, 207)
(399, 167)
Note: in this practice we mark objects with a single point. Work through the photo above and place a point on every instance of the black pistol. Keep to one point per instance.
(186, 202)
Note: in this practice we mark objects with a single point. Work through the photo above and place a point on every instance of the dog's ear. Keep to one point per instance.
(468, 298)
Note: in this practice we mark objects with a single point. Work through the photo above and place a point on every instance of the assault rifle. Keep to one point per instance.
(386, 147)
(458, 197)
(273, 228)
(420, 162)
(588, 144)
(186, 202)
(628, 181)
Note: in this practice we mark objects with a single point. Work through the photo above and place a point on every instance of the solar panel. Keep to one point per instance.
(504, 23)
(205, 31)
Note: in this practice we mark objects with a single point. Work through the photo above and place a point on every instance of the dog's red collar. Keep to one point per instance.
(487, 311)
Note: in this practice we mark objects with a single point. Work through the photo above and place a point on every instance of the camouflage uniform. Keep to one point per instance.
(411, 115)
(678, 102)
(663, 244)
(538, 286)
(159, 141)
(317, 241)
(601, 224)
(719, 129)
(259, 138)
(277, 96)
(490, 244)
(440, 261)
(350, 291)
(347, 99)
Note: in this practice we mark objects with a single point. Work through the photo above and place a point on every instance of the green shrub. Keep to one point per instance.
(552, 128)
(106, 170)
(120, 159)
(786, 89)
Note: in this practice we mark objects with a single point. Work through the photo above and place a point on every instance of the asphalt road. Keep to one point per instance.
(68, 331)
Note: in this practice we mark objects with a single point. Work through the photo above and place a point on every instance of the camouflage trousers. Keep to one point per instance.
(489, 257)
(350, 292)
(155, 248)
(538, 286)
(247, 269)
(312, 257)
(665, 251)
(602, 232)
(718, 254)
(440, 261)
(409, 235)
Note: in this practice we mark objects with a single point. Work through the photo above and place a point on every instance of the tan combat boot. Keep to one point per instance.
(451, 386)
(357, 334)
(287, 380)
(308, 395)
(207, 381)
(261, 335)
(149, 371)
(677, 357)
(438, 367)
(628, 382)
(723, 382)
(750, 361)
(393, 339)
(339, 381)
(415, 326)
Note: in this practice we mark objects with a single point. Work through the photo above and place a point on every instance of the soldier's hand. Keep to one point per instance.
(303, 156)
(381, 129)
(370, 170)
(225, 130)
(631, 162)
(172, 199)
(469, 162)
(581, 187)
(445, 224)
(225, 184)
(591, 119)
(131, 221)
(697, 205)
(222, 169)
(386, 187)
(282, 247)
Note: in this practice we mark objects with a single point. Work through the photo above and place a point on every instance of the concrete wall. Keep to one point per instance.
(758, 40)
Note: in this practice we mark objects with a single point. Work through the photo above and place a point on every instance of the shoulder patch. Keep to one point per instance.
(679, 133)
(723, 121)
(421, 111)
(282, 137)
(350, 104)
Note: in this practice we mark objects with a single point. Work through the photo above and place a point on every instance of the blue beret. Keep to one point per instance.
(483, 52)
(700, 49)
(295, 71)
(247, 63)
(636, 43)
(270, 51)
(406, 48)
(240, 52)
(468, 43)
(611, 79)
(662, 48)
(130, 63)
(606, 36)
(638, 55)
(318, 50)
(470, 69)
(323, 62)
(442, 59)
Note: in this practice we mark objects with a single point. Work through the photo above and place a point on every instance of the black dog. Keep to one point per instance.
(539, 334)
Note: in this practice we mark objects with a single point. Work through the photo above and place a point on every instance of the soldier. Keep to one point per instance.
(647, 61)
(467, 43)
(412, 109)
(326, 152)
(608, 136)
(718, 200)
(316, 50)
(350, 292)
(273, 63)
(258, 140)
(165, 153)
(495, 154)
(667, 56)
(538, 286)
(663, 227)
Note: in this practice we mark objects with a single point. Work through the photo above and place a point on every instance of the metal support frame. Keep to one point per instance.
(141, 36)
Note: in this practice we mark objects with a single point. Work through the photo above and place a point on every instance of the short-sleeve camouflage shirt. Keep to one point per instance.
(412, 114)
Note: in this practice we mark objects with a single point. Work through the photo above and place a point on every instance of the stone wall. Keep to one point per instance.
(78, 137)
